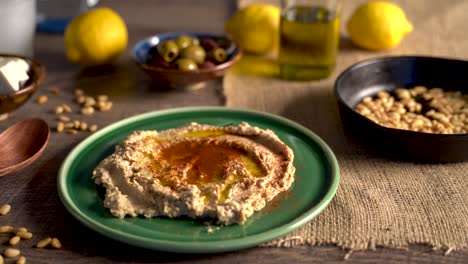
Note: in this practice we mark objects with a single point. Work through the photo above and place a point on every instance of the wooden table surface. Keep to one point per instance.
(32, 192)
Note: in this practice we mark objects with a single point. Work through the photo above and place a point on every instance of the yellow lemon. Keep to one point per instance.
(96, 37)
(255, 28)
(378, 25)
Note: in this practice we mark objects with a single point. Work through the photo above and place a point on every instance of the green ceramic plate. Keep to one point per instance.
(317, 177)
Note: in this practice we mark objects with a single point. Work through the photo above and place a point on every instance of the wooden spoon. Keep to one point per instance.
(21, 144)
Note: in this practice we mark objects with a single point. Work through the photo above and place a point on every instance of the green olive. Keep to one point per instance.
(183, 41)
(195, 53)
(218, 54)
(186, 64)
(168, 50)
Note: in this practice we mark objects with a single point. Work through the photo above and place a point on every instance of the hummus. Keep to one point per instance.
(200, 171)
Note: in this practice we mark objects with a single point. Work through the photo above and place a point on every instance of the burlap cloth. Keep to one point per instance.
(379, 202)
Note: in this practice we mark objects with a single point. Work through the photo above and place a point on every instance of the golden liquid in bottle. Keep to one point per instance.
(308, 42)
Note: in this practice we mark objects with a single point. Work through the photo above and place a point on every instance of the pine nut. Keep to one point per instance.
(106, 106)
(11, 252)
(76, 124)
(72, 131)
(88, 110)
(102, 98)
(89, 101)
(83, 126)
(58, 110)
(60, 127)
(42, 99)
(69, 125)
(20, 229)
(55, 243)
(24, 234)
(100, 104)
(5, 209)
(14, 240)
(6, 229)
(44, 243)
(79, 92)
(21, 260)
(81, 99)
(64, 118)
(93, 128)
(67, 108)
(419, 90)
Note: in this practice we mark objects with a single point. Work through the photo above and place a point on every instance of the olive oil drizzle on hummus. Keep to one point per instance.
(201, 162)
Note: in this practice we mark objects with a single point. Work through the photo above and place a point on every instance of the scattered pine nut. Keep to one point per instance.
(102, 98)
(93, 128)
(72, 131)
(42, 99)
(58, 110)
(67, 108)
(6, 229)
(63, 118)
(106, 106)
(20, 229)
(81, 99)
(89, 101)
(11, 252)
(55, 243)
(24, 235)
(44, 243)
(100, 104)
(79, 92)
(88, 110)
(83, 126)
(14, 240)
(69, 125)
(76, 124)
(21, 260)
(60, 127)
(5, 209)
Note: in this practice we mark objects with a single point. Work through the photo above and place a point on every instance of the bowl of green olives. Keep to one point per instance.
(184, 59)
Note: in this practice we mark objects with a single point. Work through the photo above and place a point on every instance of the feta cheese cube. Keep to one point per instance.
(13, 74)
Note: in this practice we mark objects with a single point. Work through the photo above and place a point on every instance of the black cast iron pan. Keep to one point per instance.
(368, 77)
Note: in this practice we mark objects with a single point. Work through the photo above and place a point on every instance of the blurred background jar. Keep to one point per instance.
(309, 35)
(53, 16)
(17, 26)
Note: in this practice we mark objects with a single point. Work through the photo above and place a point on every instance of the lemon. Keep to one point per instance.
(96, 37)
(255, 28)
(378, 25)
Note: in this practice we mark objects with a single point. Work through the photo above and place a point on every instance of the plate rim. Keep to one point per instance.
(199, 246)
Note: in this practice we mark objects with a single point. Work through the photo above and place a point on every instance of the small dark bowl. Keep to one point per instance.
(12, 101)
(369, 77)
(144, 49)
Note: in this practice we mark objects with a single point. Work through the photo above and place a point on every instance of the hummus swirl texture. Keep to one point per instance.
(200, 171)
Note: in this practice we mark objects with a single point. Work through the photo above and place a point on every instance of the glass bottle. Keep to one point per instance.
(309, 36)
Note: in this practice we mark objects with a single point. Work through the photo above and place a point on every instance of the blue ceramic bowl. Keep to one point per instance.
(143, 50)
